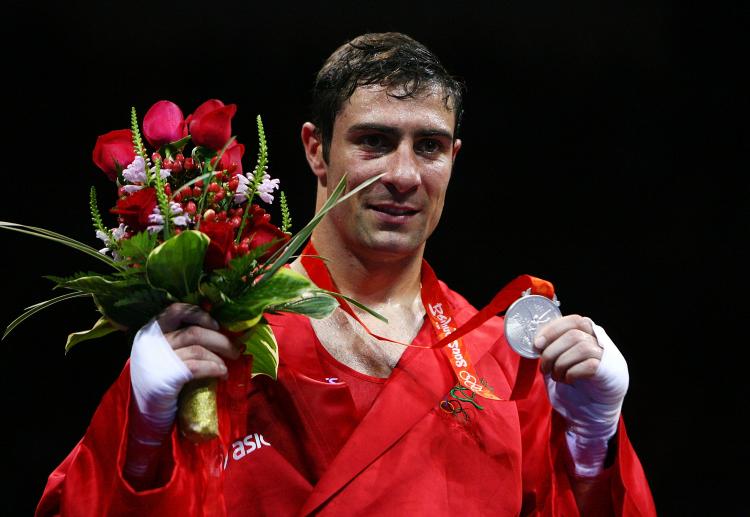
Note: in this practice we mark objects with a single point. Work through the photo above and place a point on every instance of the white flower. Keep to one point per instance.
(240, 195)
(176, 208)
(132, 188)
(165, 173)
(266, 187)
(119, 232)
(136, 171)
(156, 220)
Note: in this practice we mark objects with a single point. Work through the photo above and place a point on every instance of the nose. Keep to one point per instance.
(403, 173)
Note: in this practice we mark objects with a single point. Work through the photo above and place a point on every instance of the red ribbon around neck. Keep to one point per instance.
(440, 313)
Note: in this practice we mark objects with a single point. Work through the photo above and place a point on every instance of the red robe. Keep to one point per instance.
(295, 446)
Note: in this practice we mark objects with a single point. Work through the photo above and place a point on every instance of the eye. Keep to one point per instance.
(429, 146)
(372, 141)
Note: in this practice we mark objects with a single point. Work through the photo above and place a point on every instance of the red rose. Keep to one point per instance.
(266, 232)
(135, 209)
(211, 124)
(232, 157)
(219, 251)
(260, 231)
(113, 152)
(164, 124)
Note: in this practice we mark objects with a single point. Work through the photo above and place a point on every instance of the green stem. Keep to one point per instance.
(209, 170)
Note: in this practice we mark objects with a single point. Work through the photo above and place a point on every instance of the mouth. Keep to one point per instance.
(393, 209)
(393, 213)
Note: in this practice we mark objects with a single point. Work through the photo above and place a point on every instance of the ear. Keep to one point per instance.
(456, 148)
(313, 144)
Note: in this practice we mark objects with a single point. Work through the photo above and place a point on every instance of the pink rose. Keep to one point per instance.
(211, 124)
(232, 157)
(164, 124)
(113, 152)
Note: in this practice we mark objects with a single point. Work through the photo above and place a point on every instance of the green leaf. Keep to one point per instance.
(101, 284)
(260, 342)
(286, 285)
(356, 304)
(214, 295)
(173, 148)
(60, 239)
(101, 328)
(30, 311)
(61, 281)
(138, 247)
(318, 306)
(135, 309)
(128, 302)
(238, 276)
(176, 265)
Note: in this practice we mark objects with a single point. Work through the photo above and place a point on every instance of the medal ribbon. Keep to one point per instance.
(441, 316)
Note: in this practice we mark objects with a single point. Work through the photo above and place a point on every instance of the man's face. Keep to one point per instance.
(411, 140)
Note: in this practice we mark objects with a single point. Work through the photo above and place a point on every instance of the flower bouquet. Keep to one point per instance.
(189, 229)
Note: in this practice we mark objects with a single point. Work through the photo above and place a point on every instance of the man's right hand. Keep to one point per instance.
(193, 335)
(182, 344)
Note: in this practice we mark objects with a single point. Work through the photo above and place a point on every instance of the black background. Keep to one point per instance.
(605, 149)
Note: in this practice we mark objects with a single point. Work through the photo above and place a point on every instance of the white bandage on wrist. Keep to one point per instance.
(592, 407)
(157, 375)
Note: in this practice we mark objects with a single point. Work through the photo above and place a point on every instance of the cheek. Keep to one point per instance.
(436, 185)
(357, 170)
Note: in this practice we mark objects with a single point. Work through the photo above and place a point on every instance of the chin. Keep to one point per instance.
(394, 246)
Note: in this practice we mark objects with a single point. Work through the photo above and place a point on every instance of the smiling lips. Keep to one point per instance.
(393, 212)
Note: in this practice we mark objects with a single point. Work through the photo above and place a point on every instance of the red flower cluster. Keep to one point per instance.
(208, 191)
(221, 231)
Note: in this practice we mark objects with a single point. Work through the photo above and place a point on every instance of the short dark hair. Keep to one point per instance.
(400, 64)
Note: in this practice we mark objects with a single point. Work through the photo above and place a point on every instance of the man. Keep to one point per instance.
(356, 424)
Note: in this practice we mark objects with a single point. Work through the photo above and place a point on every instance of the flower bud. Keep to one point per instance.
(163, 124)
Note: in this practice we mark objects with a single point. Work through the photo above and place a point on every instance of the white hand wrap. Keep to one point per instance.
(157, 375)
(592, 407)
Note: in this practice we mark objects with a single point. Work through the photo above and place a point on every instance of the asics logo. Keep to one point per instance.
(248, 445)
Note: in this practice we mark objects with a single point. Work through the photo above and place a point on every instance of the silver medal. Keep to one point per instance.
(524, 317)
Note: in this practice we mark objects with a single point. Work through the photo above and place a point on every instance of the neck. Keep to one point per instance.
(375, 279)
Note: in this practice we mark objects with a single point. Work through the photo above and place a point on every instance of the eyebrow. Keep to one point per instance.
(390, 130)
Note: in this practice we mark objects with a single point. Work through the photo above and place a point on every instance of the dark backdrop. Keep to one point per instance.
(605, 149)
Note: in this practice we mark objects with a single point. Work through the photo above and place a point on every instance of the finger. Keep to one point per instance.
(206, 338)
(579, 361)
(582, 370)
(179, 314)
(556, 328)
(570, 339)
(201, 362)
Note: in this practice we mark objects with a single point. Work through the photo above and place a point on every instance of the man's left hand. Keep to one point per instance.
(587, 378)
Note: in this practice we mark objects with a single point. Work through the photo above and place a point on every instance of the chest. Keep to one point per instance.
(349, 342)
